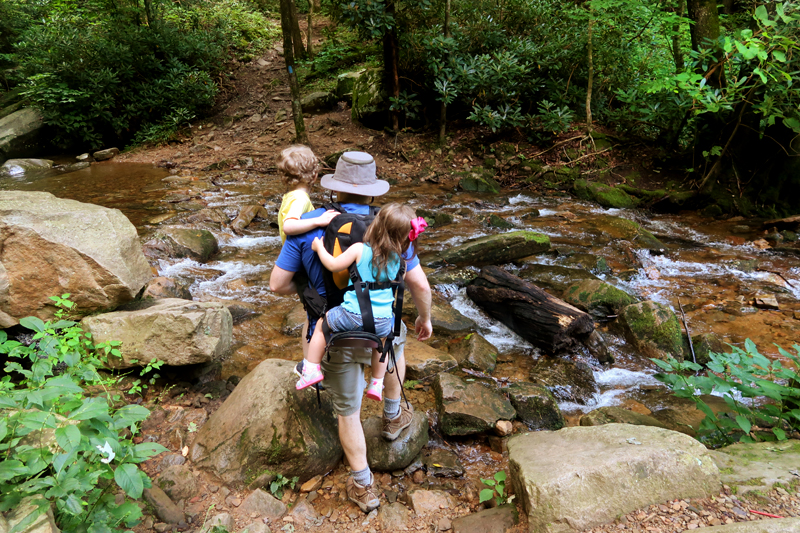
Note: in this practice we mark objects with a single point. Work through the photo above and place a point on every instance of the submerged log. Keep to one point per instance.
(538, 317)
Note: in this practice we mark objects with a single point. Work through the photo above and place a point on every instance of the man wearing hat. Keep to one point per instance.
(355, 184)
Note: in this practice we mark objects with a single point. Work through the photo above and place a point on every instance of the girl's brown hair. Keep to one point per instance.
(388, 235)
(299, 166)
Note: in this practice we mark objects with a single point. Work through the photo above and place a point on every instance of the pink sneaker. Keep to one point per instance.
(312, 374)
(375, 390)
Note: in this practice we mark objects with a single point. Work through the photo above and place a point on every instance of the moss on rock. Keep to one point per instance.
(597, 298)
(609, 197)
(653, 329)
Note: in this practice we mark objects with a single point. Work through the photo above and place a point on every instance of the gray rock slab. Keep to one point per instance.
(496, 520)
(759, 465)
(582, 477)
(20, 133)
(178, 482)
(387, 456)
(393, 517)
(263, 504)
(468, 408)
(536, 406)
(173, 330)
(772, 525)
(165, 508)
(422, 361)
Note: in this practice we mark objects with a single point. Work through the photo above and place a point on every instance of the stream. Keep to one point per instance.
(714, 272)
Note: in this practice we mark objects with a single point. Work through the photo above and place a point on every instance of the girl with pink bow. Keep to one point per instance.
(377, 259)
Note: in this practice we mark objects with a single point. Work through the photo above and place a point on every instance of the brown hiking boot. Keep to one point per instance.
(393, 427)
(365, 497)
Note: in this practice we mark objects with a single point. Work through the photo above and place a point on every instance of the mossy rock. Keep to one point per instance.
(536, 406)
(492, 249)
(317, 101)
(569, 381)
(479, 182)
(622, 228)
(704, 344)
(435, 218)
(345, 83)
(368, 96)
(593, 263)
(473, 351)
(553, 278)
(459, 276)
(195, 244)
(331, 159)
(617, 415)
(608, 197)
(496, 221)
(653, 329)
(598, 298)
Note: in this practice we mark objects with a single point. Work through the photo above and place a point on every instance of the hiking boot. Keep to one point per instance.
(393, 427)
(365, 497)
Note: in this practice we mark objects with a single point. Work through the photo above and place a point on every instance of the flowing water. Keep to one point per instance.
(712, 271)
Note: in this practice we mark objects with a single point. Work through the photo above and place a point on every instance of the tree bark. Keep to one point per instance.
(390, 64)
(288, 56)
(677, 53)
(310, 30)
(297, 36)
(443, 113)
(705, 16)
(590, 82)
(538, 317)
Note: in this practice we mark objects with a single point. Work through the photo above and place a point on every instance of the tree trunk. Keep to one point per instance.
(591, 79)
(310, 30)
(677, 53)
(390, 64)
(297, 36)
(538, 317)
(705, 16)
(443, 113)
(288, 55)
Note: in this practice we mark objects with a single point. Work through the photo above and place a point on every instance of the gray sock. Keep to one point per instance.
(391, 407)
(362, 477)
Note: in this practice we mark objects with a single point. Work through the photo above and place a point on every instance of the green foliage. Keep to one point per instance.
(105, 71)
(70, 450)
(759, 393)
(280, 482)
(496, 490)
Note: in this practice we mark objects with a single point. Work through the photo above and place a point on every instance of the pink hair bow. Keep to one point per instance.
(418, 225)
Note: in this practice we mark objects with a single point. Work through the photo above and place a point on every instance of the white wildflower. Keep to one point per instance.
(106, 450)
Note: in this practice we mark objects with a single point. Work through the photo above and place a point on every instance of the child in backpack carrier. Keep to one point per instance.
(377, 259)
(299, 166)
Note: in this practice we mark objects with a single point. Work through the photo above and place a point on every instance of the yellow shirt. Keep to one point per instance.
(294, 205)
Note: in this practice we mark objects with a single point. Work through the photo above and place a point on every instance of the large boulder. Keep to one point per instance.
(479, 181)
(581, 477)
(266, 426)
(759, 465)
(553, 278)
(21, 134)
(536, 406)
(317, 101)
(50, 246)
(598, 298)
(473, 351)
(175, 331)
(369, 99)
(345, 83)
(388, 456)
(492, 249)
(468, 408)
(653, 329)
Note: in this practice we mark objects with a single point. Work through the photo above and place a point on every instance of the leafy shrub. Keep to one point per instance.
(760, 393)
(281, 482)
(496, 490)
(60, 445)
(103, 73)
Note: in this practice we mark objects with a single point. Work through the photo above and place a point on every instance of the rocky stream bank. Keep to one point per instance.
(590, 441)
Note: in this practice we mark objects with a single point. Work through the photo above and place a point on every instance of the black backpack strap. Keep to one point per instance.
(336, 206)
(400, 285)
(373, 210)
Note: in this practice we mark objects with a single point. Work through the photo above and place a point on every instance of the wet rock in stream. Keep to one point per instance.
(163, 287)
(570, 381)
(621, 228)
(492, 249)
(601, 300)
(176, 242)
(536, 406)
(475, 352)
(653, 329)
(443, 463)
(444, 318)
(553, 278)
(422, 361)
(618, 415)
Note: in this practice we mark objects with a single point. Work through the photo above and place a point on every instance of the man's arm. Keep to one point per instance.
(420, 290)
(280, 281)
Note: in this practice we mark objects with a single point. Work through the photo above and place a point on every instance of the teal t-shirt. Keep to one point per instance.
(382, 300)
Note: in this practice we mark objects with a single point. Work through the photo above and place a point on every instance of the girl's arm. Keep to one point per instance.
(341, 262)
(297, 226)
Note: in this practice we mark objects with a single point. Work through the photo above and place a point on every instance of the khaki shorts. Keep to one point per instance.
(344, 374)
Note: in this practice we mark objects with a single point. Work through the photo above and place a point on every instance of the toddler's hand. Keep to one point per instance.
(326, 217)
(316, 245)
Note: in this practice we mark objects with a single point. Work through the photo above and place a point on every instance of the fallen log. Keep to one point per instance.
(538, 317)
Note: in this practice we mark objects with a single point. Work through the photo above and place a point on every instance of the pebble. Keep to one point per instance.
(161, 527)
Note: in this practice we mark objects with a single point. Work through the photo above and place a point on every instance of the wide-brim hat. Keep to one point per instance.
(355, 174)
